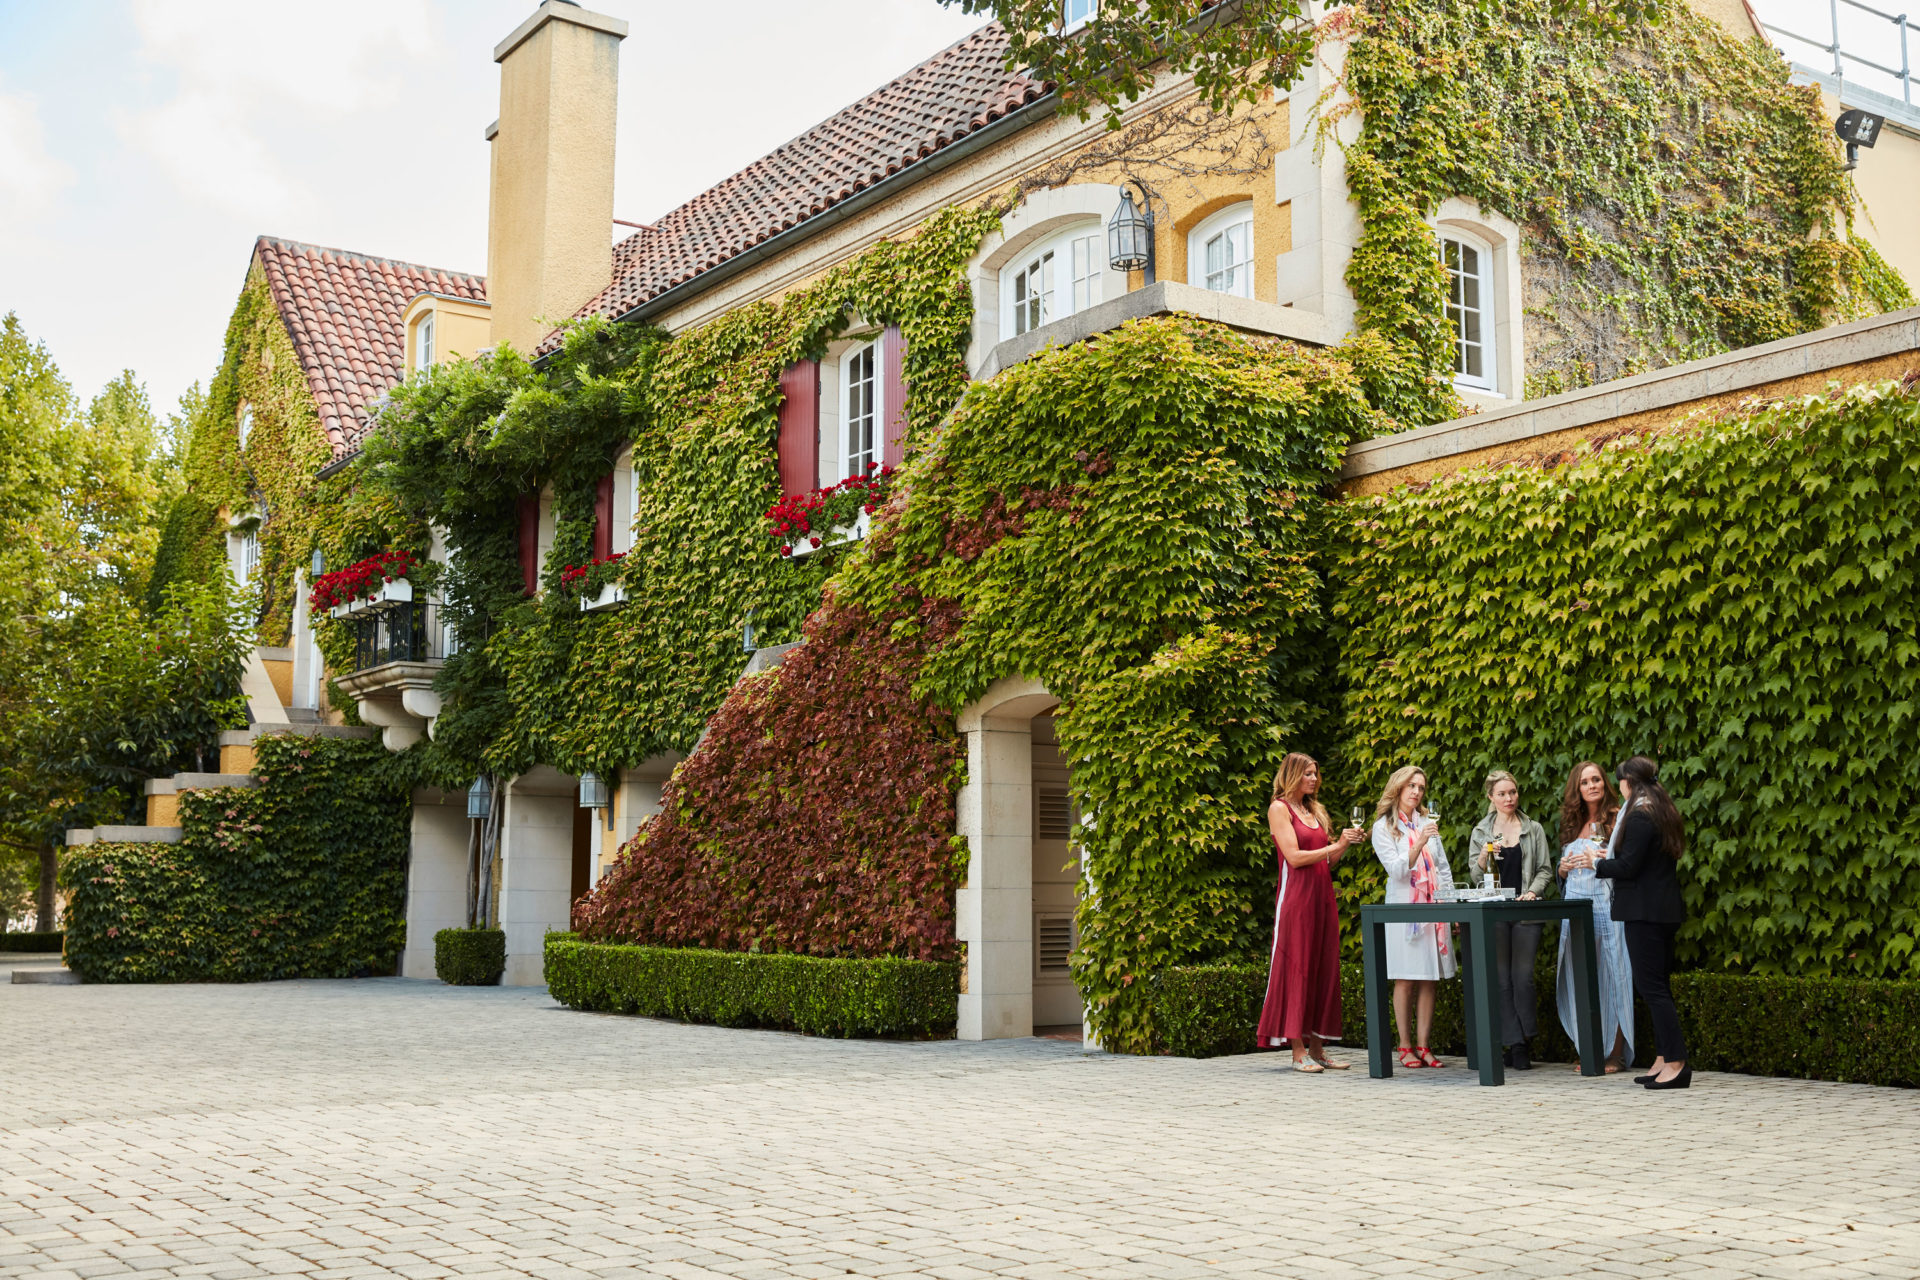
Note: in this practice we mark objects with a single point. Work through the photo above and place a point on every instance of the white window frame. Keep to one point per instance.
(1075, 14)
(1071, 269)
(249, 553)
(1483, 305)
(626, 501)
(860, 372)
(1234, 221)
(423, 342)
(246, 422)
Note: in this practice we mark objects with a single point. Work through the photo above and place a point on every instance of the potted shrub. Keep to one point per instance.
(803, 523)
(470, 957)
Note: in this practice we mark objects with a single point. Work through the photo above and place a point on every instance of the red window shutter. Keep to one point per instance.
(603, 517)
(798, 445)
(893, 396)
(529, 517)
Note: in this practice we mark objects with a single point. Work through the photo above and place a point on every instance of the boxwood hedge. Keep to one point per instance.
(1859, 1030)
(470, 957)
(31, 941)
(889, 997)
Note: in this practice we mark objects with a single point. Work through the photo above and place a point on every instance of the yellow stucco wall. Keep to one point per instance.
(1888, 180)
(1556, 444)
(237, 757)
(460, 328)
(280, 672)
(163, 810)
(549, 233)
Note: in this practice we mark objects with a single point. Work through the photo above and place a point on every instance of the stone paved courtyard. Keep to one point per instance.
(377, 1128)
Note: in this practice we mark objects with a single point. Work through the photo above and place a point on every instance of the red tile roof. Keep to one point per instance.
(959, 90)
(343, 312)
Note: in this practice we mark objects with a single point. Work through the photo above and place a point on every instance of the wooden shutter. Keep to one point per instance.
(797, 447)
(893, 396)
(603, 517)
(528, 513)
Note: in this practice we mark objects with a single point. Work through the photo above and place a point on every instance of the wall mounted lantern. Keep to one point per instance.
(480, 799)
(593, 791)
(1130, 234)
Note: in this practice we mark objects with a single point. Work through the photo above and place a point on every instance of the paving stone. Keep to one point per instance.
(351, 1130)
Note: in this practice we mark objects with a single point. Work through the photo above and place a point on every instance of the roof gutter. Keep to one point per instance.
(1013, 122)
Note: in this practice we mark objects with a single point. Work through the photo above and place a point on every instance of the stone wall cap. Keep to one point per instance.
(559, 11)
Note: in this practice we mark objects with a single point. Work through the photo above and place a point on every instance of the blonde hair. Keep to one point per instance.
(1293, 771)
(1494, 779)
(1390, 798)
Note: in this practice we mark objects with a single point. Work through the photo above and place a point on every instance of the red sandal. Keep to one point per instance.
(1408, 1059)
(1427, 1059)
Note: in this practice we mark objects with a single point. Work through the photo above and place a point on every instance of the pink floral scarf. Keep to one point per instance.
(1424, 880)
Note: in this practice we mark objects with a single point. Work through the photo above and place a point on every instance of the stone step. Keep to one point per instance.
(46, 977)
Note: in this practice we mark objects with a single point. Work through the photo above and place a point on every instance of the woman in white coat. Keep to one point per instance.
(1407, 842)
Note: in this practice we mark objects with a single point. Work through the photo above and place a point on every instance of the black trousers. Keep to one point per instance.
(1650, 949)
(1514, 947)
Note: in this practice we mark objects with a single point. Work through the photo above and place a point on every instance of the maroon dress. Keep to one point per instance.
(1303, 983)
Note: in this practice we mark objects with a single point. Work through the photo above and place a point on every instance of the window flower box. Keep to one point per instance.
(597, 584)
(399, 591)
(613, 593)
(835, 516)
(379, 579)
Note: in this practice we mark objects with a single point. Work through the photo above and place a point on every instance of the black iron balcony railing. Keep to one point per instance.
(401, 632)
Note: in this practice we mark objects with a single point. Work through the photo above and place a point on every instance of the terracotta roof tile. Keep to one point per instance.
(959, 90)
(343, 312)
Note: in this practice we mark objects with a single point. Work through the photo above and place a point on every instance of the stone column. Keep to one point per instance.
(436, 875)
(536, 869)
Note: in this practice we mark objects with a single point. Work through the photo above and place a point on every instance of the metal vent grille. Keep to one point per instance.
(1055, 937)
(1056, 814)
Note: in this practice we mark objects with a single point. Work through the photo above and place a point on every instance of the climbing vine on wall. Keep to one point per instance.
(461, 445)
(1131, 521)
(1736, 599)
(1678, 197)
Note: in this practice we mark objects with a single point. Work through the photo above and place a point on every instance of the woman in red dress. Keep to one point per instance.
(1303, 983)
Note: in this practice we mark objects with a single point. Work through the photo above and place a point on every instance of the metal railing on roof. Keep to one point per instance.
(1903, 73)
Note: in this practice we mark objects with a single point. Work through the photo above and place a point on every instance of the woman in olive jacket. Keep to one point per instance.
(1515, 848)
(1641, 864)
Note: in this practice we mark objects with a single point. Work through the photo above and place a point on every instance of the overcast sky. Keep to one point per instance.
(145, 143)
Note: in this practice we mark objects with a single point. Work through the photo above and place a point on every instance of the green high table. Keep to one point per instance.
(1482, 978)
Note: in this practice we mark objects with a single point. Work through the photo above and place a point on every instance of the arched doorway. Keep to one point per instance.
(1015, 910)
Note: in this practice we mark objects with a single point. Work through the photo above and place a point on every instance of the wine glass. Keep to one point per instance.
(1356, 817)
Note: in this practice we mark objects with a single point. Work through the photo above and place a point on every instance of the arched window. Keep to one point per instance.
(1220, 252)
(1470, 309)
(1058, 277)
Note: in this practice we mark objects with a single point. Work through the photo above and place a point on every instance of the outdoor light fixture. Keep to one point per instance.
(480, 799)
(1858, 129)
(593, 791)
(746, 633)
(1130, 235)
(319, 563)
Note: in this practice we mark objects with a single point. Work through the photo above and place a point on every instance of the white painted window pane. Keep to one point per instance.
(861, 403)
(1075, 12)
(1229, 264)
(1467, 310)
(1086, 272)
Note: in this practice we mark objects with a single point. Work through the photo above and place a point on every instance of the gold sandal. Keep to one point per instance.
(1328, 1064)
(1308, 1066)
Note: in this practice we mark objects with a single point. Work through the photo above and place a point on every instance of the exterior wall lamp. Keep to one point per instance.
(1130, 234)
(1858, 129)
(593, 791)
(480, 799)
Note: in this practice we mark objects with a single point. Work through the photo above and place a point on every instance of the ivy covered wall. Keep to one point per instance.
(1677, 196)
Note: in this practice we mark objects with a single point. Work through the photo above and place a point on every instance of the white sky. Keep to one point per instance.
(145, 143)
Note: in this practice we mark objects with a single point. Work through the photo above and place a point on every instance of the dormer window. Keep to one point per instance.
(1469, 309)
(1058, 277)
(1075, 14)
(246, 423)
(1220, 252)
(423, 343)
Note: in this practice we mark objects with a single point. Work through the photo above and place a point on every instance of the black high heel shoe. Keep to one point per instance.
(1680, 1080)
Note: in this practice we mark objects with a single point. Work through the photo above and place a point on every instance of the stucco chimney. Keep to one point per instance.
(550, 214)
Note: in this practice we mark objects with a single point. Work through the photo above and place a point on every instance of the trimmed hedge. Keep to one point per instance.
(819, 996)
(1859, 1030)
(470, 957)
(31, 941)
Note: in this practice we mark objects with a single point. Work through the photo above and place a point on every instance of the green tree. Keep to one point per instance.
(96, 695)
(1233, 49)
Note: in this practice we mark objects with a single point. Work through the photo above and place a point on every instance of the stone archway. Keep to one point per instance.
(994, 908)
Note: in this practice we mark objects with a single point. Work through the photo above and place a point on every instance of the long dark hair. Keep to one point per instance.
(1573, 806)
(1644, 774)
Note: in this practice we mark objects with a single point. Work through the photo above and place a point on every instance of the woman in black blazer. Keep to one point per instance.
(1648, 841)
